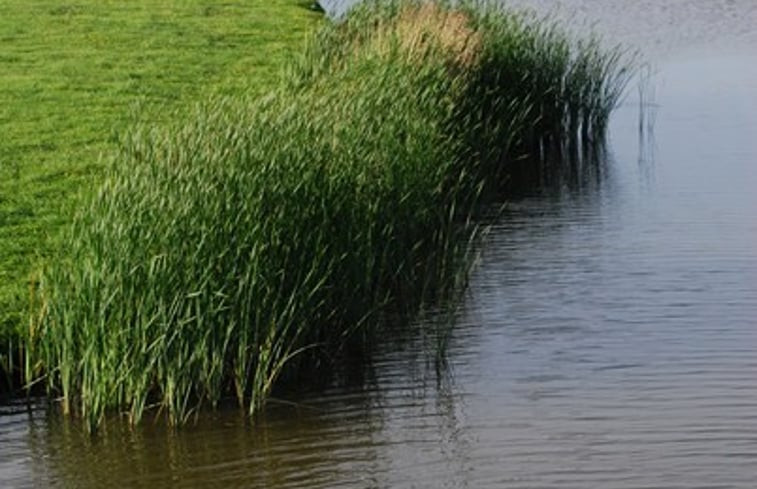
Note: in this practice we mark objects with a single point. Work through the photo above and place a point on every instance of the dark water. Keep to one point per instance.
(608, 339)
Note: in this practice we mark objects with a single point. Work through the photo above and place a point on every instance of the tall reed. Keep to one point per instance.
(246, 247)
(6, 365)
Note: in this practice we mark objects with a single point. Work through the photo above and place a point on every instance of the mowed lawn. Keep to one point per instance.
(73, 76)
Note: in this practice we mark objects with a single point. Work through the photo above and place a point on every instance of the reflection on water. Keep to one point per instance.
(608, 339)
(658, 28)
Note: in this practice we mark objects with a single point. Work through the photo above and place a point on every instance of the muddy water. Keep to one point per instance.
(608, 339)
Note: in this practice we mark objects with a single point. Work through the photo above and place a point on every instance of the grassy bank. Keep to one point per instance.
(74, 76)
(253, 243)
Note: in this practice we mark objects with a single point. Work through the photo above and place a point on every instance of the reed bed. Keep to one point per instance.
(248, 247)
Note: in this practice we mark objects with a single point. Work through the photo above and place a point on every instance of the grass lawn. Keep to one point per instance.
(73, 76)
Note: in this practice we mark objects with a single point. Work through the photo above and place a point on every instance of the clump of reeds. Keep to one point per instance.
(247, 246)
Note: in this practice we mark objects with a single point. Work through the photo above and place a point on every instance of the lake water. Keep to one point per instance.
(608, 338)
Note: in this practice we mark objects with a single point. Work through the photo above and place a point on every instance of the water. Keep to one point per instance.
(608, 339)
(336, 8)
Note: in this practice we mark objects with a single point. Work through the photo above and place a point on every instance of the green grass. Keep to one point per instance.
(73, 76)
(249, 244)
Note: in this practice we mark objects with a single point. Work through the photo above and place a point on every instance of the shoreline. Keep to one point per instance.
(238, 262)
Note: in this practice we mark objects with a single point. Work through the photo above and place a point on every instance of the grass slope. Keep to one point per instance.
(73, 76)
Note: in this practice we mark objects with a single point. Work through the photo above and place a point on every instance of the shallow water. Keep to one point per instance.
(608, 338)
